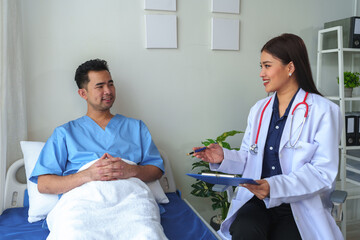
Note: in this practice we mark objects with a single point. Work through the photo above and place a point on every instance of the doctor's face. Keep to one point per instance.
(275, 74)
(100, 91)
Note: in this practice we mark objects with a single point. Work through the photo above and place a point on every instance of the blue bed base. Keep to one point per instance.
(179, 222)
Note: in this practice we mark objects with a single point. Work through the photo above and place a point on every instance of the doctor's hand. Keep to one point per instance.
(261, 191)
(212, 154)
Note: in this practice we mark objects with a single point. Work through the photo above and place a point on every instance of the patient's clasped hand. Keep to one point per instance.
(109, 199)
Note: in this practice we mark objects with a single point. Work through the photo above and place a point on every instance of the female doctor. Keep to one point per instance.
(291, 145)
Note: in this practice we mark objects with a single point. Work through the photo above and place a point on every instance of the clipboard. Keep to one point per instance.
(222, 179)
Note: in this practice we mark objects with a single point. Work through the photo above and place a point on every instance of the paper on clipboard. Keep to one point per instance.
(222, 179)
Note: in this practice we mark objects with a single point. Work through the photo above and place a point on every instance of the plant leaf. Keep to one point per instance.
(223, 136)
(203, 189)
(226, 145)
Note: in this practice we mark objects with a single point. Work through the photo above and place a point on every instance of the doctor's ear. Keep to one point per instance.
(82, 92)
(291, 67)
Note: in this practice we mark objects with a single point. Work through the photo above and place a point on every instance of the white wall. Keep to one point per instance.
(184, 95)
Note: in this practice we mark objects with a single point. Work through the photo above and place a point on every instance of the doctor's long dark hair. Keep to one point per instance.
(289, 47)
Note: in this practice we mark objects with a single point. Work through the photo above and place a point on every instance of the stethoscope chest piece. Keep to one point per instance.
(254, 149)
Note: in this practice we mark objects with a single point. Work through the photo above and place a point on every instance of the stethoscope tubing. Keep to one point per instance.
(253, 148)
(261, 117)
(303, 123)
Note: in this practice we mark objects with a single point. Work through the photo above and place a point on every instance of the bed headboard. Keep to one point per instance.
(15, 190)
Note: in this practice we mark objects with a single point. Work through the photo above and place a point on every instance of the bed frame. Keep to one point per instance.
(180, 220)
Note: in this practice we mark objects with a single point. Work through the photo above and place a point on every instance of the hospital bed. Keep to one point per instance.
(179, 219)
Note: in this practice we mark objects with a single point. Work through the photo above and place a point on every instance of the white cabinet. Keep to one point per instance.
(346, 170)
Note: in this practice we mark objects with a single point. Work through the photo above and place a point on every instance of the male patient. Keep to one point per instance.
(99, 134)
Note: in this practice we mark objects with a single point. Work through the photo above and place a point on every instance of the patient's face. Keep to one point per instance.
(100, 92)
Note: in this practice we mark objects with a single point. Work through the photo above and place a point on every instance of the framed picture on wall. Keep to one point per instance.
(164, 5)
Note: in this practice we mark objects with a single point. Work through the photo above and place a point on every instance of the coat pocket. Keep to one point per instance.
(303, 152)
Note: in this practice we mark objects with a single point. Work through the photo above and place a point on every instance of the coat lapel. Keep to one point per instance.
(298, 118)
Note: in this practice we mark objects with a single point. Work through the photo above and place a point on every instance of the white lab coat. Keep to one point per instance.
(309, 170)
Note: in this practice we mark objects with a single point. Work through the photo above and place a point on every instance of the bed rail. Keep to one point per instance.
(167, 181)
(14, 190)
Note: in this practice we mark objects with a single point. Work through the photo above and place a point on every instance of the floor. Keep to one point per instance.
(353, 231)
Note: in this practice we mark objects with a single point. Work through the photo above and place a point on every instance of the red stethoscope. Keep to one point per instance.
(254, 147)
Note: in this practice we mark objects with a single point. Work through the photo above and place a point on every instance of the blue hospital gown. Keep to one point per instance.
(78, 142)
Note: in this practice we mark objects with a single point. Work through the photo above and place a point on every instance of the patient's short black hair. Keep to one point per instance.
(81, 74)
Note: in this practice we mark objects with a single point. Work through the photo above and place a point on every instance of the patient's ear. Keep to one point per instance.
(82, 92)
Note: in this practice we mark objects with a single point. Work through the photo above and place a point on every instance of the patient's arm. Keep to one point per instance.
(146, 173)
(54, 184)
(105, 169)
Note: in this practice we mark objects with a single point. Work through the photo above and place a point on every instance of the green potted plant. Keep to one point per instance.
(351, 80)
(204, 189)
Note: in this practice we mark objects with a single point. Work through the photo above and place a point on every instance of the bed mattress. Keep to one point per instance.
(178, 221)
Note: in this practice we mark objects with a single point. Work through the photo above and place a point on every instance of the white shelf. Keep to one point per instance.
(353, 170)
(354, 50)
(354, 157)
(337, 98)
(336, 50)
(350, 147)
(352, 188)
(349, 165)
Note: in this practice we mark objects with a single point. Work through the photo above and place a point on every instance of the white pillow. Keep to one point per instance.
(158, 191)
(39, 204)
(154, 186)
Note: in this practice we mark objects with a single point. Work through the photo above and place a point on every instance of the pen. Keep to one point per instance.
(197, 150)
